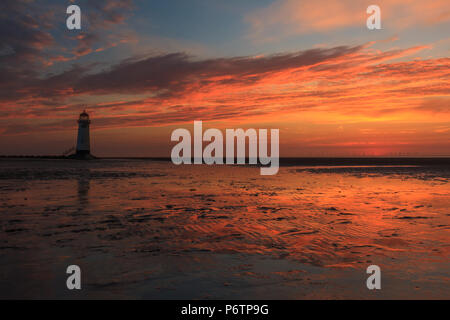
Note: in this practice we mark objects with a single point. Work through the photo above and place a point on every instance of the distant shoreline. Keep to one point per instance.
(303, 161)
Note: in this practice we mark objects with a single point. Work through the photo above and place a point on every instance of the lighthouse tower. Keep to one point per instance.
(83, 141)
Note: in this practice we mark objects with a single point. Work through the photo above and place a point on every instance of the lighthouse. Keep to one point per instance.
(83, 141)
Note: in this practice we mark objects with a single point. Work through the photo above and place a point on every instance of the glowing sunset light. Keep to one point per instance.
(384, 82)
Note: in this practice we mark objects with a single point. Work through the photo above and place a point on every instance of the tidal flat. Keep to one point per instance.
(153, 230)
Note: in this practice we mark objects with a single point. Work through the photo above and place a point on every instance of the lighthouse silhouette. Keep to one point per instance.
(83, 150)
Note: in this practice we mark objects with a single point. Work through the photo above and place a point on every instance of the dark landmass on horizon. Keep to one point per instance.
(291, 161)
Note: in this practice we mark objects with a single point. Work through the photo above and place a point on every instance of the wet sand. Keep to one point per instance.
(146, 229)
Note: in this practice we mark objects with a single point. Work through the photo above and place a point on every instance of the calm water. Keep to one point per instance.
(143, 229)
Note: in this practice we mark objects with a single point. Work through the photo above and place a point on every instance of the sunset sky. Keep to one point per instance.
(309, 68)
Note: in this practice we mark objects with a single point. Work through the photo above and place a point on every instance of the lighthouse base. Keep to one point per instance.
(82, 155)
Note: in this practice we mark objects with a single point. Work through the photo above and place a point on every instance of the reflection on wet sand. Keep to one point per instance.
(83, 187)
(155, 230)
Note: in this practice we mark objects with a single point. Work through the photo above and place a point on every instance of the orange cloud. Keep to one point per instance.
(351, 83)
(344, 98)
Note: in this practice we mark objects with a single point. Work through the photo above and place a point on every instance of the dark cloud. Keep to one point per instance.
(21, 38)
(28, 45)
(172, 74)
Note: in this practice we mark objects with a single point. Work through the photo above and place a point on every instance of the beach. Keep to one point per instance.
(153, 230)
